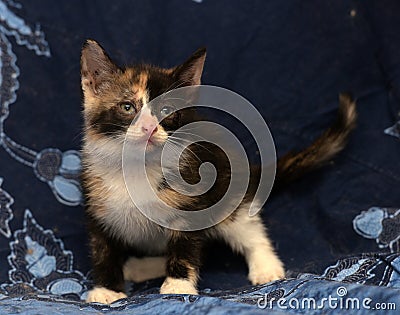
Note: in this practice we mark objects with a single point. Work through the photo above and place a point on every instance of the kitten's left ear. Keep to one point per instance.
(189, 73)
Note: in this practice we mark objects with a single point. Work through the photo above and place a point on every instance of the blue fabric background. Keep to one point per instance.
(289, 58)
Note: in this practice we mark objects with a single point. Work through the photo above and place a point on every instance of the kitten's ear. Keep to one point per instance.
(190, 71)
(96, 67)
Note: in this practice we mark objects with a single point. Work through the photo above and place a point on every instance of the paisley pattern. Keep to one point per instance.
(380, 224)
(40, 263)
(351, 270)
(394, 130)
(6, 213)
(60, 172)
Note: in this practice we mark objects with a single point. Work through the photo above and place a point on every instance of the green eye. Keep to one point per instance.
(127, 108)
(167, 110)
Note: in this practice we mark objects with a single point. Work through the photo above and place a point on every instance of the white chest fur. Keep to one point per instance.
(126, 222)
(121, 217)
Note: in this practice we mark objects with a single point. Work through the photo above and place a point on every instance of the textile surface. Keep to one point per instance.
(337, 230)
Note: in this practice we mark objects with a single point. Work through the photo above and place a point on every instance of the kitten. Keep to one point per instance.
(120, 235)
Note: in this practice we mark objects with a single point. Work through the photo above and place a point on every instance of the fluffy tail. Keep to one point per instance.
(295, 164)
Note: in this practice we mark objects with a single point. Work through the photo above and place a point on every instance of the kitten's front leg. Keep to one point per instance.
(183, 263)
(107, 260)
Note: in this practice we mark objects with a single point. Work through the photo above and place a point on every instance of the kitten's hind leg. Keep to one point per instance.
(146, 268)
(247, 236)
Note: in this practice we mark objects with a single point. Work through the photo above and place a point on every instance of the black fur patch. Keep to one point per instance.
(111, 122)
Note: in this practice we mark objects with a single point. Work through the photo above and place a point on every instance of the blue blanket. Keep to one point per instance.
(337, 230)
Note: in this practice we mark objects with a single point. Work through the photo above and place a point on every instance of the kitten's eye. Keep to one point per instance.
(167, 110)
(127, 108)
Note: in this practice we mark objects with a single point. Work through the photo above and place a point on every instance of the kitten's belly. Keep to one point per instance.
(128, 224)
(120, 216)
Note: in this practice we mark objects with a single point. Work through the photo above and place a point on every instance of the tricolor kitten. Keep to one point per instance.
(119, 232)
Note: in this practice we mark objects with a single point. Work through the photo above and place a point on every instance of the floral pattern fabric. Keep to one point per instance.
(337, 230)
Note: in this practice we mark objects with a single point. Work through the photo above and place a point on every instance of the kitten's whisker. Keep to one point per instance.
(181, 156)
(186, 102)
(192, 127)
(191, 134)
(176, 145)
(184, 147)
(176, 98)
(172, 87)
(192, 142)
(79, 134)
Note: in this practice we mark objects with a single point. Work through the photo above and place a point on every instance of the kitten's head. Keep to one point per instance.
(114, 97)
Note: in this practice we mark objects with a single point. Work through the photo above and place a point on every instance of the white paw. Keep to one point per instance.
(271, 270)
(103, 295)
(177, 286)
(142, 269)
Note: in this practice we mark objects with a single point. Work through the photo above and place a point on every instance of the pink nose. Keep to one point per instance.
(147, 123)
(149, 129)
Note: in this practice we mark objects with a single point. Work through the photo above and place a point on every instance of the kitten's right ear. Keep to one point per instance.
(97, 69)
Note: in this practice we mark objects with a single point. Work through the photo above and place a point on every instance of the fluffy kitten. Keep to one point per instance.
(120, 235)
